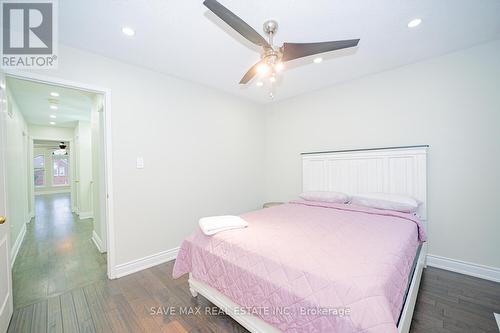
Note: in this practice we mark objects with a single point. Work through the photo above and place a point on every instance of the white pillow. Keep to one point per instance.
(397, 202)
(325, 196)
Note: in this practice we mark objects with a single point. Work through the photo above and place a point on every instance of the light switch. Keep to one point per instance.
(140, 162)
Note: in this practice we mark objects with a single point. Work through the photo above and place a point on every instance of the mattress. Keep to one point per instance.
(311, 267)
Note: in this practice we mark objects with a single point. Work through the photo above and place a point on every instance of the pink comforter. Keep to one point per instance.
(311, 267)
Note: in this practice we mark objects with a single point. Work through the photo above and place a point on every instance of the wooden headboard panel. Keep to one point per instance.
(401, 170)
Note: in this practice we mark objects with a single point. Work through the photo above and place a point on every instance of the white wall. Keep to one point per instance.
(202, 149)
(98, 176)
(451, 103)
(51, 133)
(16, 155)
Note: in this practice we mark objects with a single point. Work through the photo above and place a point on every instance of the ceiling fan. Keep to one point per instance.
(272, 57)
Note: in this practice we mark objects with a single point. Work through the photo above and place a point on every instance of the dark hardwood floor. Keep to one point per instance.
(83, 300)
(57, 254)
(452, 302)
(447, 302)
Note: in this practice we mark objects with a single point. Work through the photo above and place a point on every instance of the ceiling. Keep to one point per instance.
(184, 39)
(34, 101)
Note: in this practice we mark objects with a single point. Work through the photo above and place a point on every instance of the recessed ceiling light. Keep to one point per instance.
(318, 60)
(272, 79)
(52, 123)
(54, 94)
(128, 31)
(259, 84)
(54, 107)
(53, 116)
(414, 23)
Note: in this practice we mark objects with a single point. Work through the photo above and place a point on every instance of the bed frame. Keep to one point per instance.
(401, 170)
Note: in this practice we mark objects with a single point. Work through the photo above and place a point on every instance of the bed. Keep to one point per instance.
(317, 267)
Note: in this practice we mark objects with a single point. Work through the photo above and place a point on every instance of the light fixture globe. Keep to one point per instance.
(270, 27)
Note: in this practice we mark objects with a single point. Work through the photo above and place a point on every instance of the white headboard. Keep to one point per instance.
(401, 170)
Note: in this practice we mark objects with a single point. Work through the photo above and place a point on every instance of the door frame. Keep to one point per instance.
(31, 188)
(7, 305)
(107, 198)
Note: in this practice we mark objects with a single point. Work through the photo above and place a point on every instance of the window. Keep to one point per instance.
(60, 175)
(39, 166)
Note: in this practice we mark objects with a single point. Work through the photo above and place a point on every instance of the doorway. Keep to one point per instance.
(62, 242)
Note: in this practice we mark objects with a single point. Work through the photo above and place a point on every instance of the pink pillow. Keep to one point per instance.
(325, 196)
(396, 202)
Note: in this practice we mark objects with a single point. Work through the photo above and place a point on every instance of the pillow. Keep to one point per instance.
(397, 202)
(325, 196)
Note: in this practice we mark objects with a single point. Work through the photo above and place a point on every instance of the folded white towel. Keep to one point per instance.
(214, 224)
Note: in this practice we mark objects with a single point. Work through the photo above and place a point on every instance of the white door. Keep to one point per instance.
(6, 306)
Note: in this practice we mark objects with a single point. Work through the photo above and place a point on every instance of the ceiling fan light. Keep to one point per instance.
(279, 67)
(263, 69)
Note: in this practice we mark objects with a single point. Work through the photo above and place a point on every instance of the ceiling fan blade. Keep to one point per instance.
(236, 23)
(250, 74)
(299, 50)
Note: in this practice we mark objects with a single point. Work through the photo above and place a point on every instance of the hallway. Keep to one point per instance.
(57, 254)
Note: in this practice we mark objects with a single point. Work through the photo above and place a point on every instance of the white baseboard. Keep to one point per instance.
(98, 242)
(17, 245)
(85, 215)
(144, 263)
(464, 267)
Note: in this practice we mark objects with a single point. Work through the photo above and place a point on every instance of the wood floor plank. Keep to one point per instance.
(85, 322)
(117, 323)
(68, 313)
(40, 317)
(141, 308)
(25, 320)
(54, 315)
(469, 317)
(174, 327)
(99, 316)
(127, 313)
(105, 290)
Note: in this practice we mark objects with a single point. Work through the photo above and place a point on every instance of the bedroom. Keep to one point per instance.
(209, 146)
